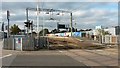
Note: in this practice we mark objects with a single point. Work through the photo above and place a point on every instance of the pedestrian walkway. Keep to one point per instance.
(93, 58)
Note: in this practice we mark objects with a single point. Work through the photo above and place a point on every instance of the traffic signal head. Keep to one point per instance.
(26, 24)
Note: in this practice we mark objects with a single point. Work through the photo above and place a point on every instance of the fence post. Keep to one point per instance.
(110, 39)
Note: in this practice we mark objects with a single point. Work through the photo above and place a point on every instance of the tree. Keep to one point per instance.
(44, 32)
(55, 31)
(73, 30)
(15, 29)
(103, 32)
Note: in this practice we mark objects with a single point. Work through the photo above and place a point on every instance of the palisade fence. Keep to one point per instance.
(110, 39)
(28, 43)
(119, 40)
(8, 43)
(24, 43)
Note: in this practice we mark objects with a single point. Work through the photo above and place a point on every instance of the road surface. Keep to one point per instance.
(75, 57)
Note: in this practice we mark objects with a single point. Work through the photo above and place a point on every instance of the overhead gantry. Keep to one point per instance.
(50, 10)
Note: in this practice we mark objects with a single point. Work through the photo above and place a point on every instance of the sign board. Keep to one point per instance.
(18, 43)
(18, 40)
(61, 26)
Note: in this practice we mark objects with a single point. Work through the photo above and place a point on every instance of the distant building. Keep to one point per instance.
(113, 30)
(98, 27)
(95, 31)
(117, 30)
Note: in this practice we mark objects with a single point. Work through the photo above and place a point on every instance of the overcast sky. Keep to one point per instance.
(85, 14)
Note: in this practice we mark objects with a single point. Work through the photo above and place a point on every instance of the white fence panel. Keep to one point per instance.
(110, 39)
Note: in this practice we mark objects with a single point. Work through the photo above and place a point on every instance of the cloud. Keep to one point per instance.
(61, 0)
(85, 14)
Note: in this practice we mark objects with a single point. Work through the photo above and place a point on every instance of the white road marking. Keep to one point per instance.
(61, 51)
(6, 56)
(94, 50)
(99, 50)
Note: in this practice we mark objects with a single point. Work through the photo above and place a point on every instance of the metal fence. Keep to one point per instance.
(8, 43)
(110, 39)
(22, 42)
(28, 43)
(41, 42)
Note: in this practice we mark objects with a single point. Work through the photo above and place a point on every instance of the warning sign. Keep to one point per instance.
(18, 40)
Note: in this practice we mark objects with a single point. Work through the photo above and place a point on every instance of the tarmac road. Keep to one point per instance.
(0, 52)
(48, 58)
(43, 58)
(59, 58)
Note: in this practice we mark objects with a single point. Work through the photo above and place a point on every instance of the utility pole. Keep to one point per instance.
(38, 16)
(31, 27)
(71, 23)
(27, 18)
(38, 23)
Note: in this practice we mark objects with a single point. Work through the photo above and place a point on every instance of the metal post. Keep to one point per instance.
(43, 28)
(71, 23)
(27, 18)
(27, 14)
(8, 16)
(8, 28)
(24, 29)
(75, 28)
(38, 23)
(31, 27)
(57, 26)
(3, 35)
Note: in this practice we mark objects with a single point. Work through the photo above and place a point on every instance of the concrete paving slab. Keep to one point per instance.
(100, 58)
(91, 63)
(111, 63)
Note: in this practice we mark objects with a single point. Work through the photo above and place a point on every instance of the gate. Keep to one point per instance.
(18, 43)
